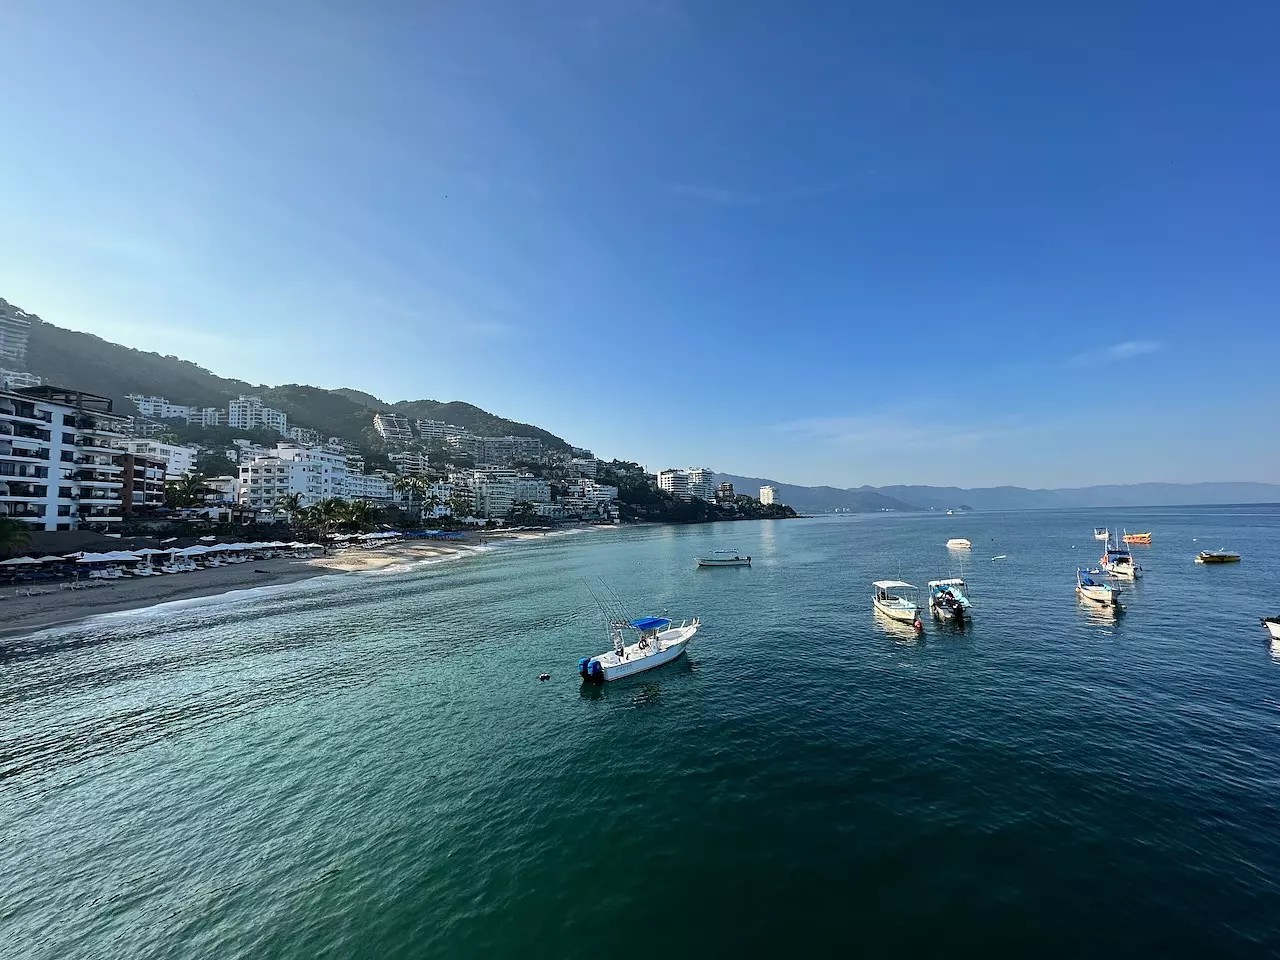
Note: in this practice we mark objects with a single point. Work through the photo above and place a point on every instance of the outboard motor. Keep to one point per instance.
(596, 670)
(582, 666)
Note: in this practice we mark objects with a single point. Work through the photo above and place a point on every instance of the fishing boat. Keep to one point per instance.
(1117, 561)
(724, 558)
(1273, 626)
(1101, 533)
(1136, 537)
(1097, 591)
(1217, 556)
(897, 600)
(659, 641)
(949, 598)
(959, 543)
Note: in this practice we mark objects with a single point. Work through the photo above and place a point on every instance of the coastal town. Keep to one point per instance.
(74, 460)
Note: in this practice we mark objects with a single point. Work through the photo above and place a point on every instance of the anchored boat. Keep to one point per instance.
(1101, 533)
(1217, 556)
(1097, 591)
(658, 642)
(1117, 560)
(949, 598)
(724, 558)
(1273, 626)
(897, 599)
(958, 543)
(1137, 537)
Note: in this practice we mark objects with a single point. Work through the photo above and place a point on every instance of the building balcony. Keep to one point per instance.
(24, 491)
(98, 482)
(21, 511)
(103, 467)
(16, 452)
(98, 497)
(91, 445)
(24, 415)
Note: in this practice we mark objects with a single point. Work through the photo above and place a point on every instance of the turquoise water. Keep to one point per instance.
(368, 767)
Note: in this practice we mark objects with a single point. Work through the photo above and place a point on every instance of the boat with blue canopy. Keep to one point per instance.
(659, 641)
(1117, 560)
(1091, 587)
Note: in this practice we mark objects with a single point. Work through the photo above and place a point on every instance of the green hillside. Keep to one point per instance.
(72, 359)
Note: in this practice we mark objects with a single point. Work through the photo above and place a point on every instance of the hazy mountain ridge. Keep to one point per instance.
(919, 497)
(69, 358)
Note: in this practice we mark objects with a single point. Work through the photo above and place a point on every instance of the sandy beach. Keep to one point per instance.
(58, 607)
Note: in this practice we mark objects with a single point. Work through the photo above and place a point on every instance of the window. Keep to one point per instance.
(64, 526)
(64, 493)
(68, 456)
(63, 512)
(69, 420)
(68, 438)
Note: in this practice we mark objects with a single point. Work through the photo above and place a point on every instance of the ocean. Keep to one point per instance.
(368, 766)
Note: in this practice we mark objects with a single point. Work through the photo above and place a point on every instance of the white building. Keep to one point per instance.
(769, 494)
(369, 486)
(158, 408)
(702, 484)
(61, 459)
(306, 437)
(674, 482)
(504, 451)
(466, 443)
(492, 490)
(409, 463)
(178, 460)
(333, 467)
(584, 466)
(207, 417)
(249, 413)
(15, 328)
(314, 475)
(392, 427)
(531, 489)
(437, 430)
(18, 380)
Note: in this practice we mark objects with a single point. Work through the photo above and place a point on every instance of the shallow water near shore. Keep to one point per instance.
(367, 766)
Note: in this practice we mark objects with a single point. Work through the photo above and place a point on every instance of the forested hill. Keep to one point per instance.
(72, 359)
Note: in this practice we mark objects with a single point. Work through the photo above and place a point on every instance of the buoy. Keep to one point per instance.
(918, 626)
(544, 676)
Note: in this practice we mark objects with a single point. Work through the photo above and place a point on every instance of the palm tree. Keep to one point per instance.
(429, 505)
(14, 535)
(291, 504)
(357, 516)
(185, 491)
(460, 505)
(413, 485)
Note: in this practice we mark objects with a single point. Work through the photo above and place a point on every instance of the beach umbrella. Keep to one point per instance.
(193, 551)
(93, 558)
(18, 561)
(49, 560)
(148, 551)
(73, 556)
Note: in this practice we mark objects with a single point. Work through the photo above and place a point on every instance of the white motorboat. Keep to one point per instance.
(897, 599)
(1097, 591)
(1117, 561)
(1273, 626)
(659, 642)
(724, 558)
(1101, 533)
(959, 543)
(949, 598)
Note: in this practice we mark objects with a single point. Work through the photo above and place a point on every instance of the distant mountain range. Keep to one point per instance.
(68, 358)
(866, 499)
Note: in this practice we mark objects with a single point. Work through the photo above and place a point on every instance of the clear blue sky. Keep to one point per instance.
(833, 242)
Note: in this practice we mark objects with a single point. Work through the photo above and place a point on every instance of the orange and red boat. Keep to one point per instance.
(1137, 537)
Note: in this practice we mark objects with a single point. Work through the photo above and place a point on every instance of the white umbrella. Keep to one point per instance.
(193, 551)
(94, 558)
(18, 561)
(49, 560)
(123, 555)
(148, 551)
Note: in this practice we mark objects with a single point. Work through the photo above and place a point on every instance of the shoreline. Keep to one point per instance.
(21, 615)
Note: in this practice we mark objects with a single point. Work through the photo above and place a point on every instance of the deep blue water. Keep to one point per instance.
(367, 766)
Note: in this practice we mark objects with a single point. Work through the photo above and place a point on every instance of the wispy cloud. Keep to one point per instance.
(1115, 353)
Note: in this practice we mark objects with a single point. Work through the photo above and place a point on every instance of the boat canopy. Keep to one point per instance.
(892, 585)
(949, 582)
(651, 623)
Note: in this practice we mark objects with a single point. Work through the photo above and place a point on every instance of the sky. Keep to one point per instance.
(828, 243)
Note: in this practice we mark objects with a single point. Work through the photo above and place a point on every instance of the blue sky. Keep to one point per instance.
(834, 243)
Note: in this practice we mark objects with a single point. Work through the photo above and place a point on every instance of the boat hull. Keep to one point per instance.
(1099, 595)
(904, 612)
(1217, 559)
(646, 654)
(711, 562)
(1273, 626)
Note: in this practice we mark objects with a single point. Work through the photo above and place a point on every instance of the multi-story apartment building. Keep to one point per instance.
(15, 328)
(466, 443)
(159, 408)
(702, 484)
(769, 494)
(372, 487)
(393, 428)
(60, 458)
(178, 460)
(306, 437)
(437, 430)
(725, 494)
(588, 491)
(207, 417)
(674, 482)
(584, 467)
(314, 475)
(144, 479)
(504, 451)
(333, 467)
(408, 463)
(531, 489)
(249, 413)
(18, 380)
